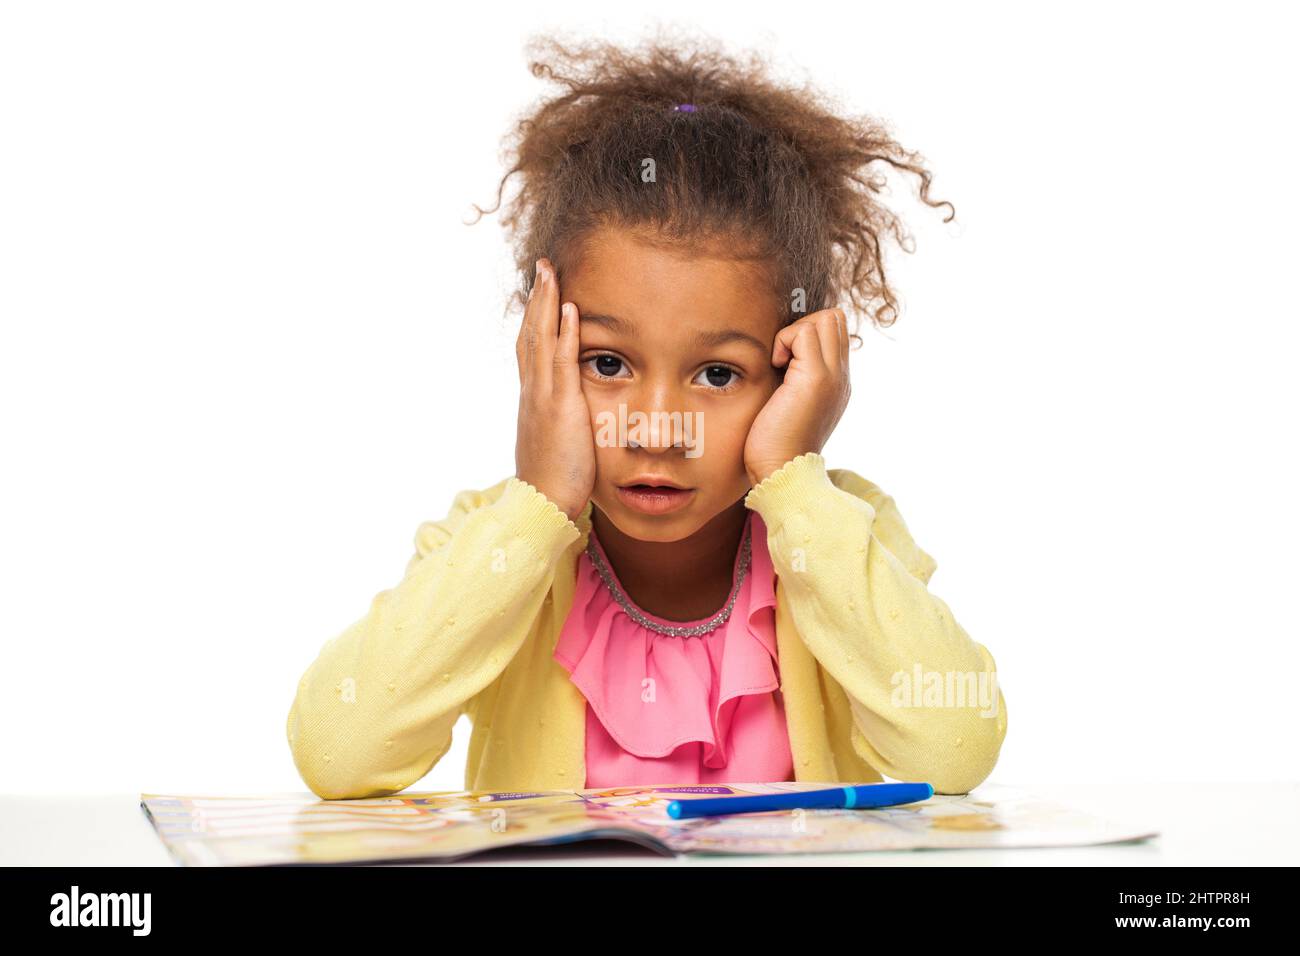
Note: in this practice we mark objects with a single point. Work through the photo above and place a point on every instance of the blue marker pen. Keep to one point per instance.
(862, 797)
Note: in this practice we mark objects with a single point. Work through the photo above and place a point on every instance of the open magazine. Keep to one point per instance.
(444, 826)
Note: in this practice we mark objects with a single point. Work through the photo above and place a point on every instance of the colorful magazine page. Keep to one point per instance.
(301, 829)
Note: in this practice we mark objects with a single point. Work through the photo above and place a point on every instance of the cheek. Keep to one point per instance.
(755, 400)
(725, 431)
(604, 410)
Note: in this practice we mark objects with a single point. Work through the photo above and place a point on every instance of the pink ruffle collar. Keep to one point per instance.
(654, 692)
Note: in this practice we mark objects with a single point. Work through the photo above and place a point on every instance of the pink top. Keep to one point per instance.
(679, 710)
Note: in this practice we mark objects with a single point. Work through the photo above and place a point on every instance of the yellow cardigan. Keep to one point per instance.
(877, 676)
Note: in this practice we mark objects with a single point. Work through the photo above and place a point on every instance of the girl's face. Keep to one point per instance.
(684, 338)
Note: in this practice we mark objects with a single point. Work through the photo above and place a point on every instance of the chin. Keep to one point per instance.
(657, 528)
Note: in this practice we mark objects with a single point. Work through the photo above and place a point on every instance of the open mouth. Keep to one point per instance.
(654, 498)
(654, 481)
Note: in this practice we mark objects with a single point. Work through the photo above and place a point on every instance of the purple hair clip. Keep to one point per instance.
(685, 107)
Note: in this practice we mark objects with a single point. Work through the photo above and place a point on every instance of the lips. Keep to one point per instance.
(655, 496)
(652, 481)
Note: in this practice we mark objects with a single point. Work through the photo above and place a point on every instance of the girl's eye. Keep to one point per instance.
(719, 377)
(606, 366)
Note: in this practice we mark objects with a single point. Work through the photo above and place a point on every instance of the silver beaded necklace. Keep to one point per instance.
(673, 630)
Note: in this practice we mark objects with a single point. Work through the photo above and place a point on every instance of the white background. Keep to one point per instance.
(249, 343)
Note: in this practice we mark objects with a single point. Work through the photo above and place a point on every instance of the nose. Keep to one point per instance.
(667, 438)
(661, 427)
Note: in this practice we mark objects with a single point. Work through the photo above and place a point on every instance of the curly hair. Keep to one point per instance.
(755, 171)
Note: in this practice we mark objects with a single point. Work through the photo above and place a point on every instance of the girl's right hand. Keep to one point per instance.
(555, 451)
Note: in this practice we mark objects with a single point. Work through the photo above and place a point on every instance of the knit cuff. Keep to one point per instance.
(536, 518)
(794, 486)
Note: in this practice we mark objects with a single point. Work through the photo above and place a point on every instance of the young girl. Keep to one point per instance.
(696, 599)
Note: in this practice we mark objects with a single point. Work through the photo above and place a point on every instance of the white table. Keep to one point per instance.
(1220, 824)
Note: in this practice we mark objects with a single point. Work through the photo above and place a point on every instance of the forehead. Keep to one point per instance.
(674, 291)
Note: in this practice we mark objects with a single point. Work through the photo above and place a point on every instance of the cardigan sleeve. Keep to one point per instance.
(375, 710)
(924, 697)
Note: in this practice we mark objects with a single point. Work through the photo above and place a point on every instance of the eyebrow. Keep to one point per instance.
(702, 339)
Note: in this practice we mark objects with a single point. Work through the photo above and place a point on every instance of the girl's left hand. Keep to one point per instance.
(805, 408)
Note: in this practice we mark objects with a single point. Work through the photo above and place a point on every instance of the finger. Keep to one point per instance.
(842, 330)
(525, 330)
(565, 366)
(542, 325)
(842, 327)
(828, 338)
(798, 341)
(520, 349)
(781, 351)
